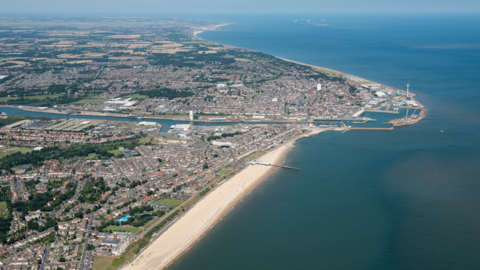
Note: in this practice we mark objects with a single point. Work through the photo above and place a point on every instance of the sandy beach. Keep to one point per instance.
(190, 227)
(195, 33)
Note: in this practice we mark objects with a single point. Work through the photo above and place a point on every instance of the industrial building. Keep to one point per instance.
(75, 125)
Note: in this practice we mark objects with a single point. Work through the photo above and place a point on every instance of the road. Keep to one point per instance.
(44, 259)
(119, 169)
(87, 234)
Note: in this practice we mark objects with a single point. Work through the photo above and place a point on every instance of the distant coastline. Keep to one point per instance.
(195, 33)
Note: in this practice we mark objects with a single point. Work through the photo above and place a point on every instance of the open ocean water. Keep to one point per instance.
(402, 199)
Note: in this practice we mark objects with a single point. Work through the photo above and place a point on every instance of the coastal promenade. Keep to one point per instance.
(199, 219)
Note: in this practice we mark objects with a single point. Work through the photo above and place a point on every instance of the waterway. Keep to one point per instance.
(166, 123)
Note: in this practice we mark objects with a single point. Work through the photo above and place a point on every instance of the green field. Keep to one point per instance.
(243, 74)
(121, 229)
(4, 99)
(173, 203)
(42, 97)
(7, 151)
(3, 209)
(136, 96)
(115, 152)
(91, 156)
(223, 172)
(90, 100)
(145, 140)
(39, 97)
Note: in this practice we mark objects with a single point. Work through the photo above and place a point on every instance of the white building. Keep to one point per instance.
(222, 143)
(380, 94)
(183, 127)
(191, 115)
(145, 123)
(319, 87)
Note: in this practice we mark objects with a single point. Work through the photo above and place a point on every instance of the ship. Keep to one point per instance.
(138, 116)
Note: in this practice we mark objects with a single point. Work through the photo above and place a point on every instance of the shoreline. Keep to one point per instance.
(198, 220)
(195, 33)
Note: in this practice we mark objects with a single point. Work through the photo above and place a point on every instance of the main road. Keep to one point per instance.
(84, 250)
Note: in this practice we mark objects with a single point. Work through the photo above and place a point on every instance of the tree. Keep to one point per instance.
(90, 247)
(32, 225)
(61, 259)
(205, 166)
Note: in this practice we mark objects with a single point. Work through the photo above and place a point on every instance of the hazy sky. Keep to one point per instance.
(236, 6)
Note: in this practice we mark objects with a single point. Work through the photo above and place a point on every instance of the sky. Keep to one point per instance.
(236, 6)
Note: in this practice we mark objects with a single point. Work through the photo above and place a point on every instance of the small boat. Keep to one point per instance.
(138, 116)
(441, 130)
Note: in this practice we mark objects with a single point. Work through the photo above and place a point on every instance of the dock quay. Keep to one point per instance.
(390, 128)
(383, 111)
(408, 120)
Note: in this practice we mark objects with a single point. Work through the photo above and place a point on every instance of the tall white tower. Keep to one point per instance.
(191, 115)
(319, 87)
(408, 85)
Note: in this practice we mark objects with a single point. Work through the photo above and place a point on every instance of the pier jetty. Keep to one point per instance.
(258, 162)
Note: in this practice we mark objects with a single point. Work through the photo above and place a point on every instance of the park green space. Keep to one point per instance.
(243, 74)
(19, 166)
(172, 202)
(39, 97)
(42, 97)
(91, 156)
(121, 229)
(145, 140)
(136, 96)
(3, 209)
(90, 100)
(7, 151)
(115, 152)
(226, 170)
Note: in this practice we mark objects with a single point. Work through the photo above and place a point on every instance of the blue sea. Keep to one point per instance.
(402, 199)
